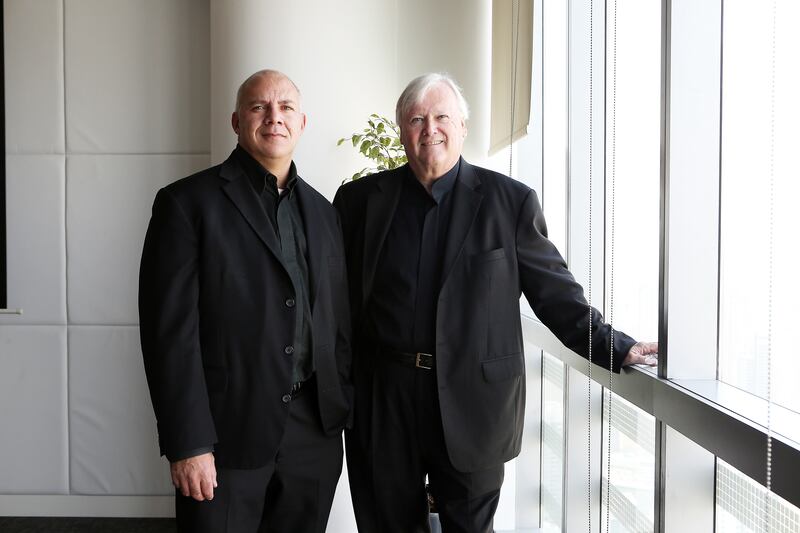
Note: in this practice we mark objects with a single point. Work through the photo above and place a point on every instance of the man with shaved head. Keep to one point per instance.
(245, 330)
(438, 253)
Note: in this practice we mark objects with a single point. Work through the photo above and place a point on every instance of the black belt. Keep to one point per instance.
(421, 360)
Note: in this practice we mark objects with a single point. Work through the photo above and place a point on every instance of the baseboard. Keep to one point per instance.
(79, 506)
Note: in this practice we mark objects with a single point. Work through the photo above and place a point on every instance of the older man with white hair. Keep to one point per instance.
(438, 253)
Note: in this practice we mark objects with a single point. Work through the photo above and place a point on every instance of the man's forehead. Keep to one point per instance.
(441, 102)
(273, 87)
(272, 97)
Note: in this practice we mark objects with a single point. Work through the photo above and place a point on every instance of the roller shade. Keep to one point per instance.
(512, 60)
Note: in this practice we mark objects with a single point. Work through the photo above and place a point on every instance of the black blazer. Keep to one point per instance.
(215, 323)
(496, 249)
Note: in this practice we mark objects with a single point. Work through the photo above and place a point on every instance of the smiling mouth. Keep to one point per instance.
(433, 143)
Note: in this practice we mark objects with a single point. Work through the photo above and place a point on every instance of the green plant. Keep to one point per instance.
(380, 143)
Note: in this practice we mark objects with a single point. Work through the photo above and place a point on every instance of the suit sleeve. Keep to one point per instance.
(344, 349)
(169, 330)
(346, 222)
(555, 296)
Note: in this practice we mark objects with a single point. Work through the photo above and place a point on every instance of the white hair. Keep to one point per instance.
(416, 89)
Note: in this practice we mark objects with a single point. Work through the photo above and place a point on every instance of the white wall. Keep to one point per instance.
(453, 36)
(341, 55)
(107, 101)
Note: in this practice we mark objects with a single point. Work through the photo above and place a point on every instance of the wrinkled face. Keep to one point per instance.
(432, 132)
(269, 121)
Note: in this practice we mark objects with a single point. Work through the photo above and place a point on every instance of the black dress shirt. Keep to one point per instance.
(283, 211)
(402, 308)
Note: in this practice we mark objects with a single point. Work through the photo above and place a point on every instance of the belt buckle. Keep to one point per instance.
(420, 363)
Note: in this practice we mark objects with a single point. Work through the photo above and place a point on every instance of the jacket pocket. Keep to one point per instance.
(503, 368)
(491, 255)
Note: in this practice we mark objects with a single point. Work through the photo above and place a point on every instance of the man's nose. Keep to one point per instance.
(429, 126)
(272, 115)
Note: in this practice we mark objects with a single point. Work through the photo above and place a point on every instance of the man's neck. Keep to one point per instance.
(428, 176)
(278, 168)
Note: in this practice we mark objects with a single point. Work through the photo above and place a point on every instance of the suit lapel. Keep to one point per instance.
(466, 201)
(240, 192)
(380, 208)
(317, 243)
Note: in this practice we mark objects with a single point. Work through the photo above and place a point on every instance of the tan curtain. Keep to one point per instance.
(512, 59)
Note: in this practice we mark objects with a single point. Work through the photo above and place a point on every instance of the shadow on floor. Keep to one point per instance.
(86, 525)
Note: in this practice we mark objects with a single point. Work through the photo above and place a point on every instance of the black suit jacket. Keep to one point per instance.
(215, 322)
(496, 249)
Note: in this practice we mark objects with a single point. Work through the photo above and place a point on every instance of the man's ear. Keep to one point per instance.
(235, 122)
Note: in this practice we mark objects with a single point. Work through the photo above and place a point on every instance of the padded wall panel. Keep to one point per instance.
(34, 76)
(33, 410)
(112, 428)
(109, 204)
(137, 76)
(37, 274)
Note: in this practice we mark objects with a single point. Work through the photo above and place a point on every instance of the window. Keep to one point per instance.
(632, 468)
(552, 493)
(741, 505)
(670, 140)
(748, 154)
(633, 169)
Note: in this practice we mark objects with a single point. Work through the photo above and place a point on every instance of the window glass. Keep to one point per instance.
(741, 505)
(552, 443)
(745, 200)
(632, 467)
(555, 121)
(633, 141)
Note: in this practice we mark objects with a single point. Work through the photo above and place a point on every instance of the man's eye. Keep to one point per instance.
(443, 118)
(416, 120)
(287, 108)
(258, 107)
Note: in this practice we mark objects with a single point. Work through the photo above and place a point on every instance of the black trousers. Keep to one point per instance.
(292, 493)
(397, 440)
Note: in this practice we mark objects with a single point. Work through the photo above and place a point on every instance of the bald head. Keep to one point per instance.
(268, 120)
(265, 73)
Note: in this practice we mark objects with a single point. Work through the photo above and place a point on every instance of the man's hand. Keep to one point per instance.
(195, 476)
(642, 353)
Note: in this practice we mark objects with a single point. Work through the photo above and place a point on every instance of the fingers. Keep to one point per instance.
(650, 353)
(650, 348)
(195, 477)
(642, 353)
(207, 489)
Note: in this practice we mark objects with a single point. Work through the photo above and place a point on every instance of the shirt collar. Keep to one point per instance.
(261, 178)
(444, 185)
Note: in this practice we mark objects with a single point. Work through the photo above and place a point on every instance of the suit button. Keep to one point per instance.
(286, 398)
(289, 350)
(290, 302)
